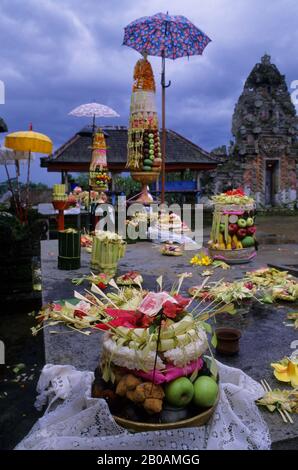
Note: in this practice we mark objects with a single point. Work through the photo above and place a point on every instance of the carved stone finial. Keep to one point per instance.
(266, 59)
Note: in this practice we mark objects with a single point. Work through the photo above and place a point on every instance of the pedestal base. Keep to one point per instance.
(60, 206)
(145, 178)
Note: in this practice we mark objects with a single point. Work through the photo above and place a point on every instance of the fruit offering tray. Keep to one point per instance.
(134, 417)
(232, 237)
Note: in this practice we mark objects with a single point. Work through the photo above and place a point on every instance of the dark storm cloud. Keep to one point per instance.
(56, 55)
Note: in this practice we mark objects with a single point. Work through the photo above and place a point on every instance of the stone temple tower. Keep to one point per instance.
(265, 128)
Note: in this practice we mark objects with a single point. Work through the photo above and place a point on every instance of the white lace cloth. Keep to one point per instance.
(74, 420)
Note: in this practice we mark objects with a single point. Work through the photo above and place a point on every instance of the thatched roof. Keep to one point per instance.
(75, 154)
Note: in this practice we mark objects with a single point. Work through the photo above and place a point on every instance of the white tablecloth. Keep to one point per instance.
(75, 420)
(48, 209)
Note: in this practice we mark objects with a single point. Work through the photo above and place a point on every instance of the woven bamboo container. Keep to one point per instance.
(106, 254)
(69, 249)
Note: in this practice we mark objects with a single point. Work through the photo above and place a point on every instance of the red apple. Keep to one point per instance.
(251, 230)
(232, 228)
(241, 233)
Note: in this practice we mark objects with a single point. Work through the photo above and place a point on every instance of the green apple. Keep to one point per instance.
(179, 392)
(222, 227)
(249, 221)
(241, 223)
(205, 391)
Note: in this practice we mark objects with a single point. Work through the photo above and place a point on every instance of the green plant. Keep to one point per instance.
(127, 185)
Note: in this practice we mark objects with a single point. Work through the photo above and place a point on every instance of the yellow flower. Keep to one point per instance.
(286, 371)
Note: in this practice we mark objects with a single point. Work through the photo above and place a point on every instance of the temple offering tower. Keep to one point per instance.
(98, 174)
(263, 158)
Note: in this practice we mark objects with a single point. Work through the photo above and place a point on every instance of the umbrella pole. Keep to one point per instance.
(89, 217)
(18, 182)
(163, 125)
(27, 188)
(10, 186)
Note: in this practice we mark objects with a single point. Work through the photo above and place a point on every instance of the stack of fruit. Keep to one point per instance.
(241, 230)
(100, 180)
(151, 151)
(233, 225)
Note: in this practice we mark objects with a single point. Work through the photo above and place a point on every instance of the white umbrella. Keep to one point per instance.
(13, 157)
(93, 110)
(9, 155)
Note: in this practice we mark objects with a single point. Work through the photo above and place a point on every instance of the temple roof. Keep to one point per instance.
(264, 109)
(75, 154)
(265, 73)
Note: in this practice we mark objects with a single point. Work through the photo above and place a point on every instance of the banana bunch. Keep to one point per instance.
(230, 243)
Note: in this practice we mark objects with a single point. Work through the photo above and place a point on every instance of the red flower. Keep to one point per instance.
(143, 321)
(235, 192)
(182, 301)
(130, 275)
(127, 318)
(101, 285)
(205, 295)
(170, 309)
(114, 323)
(249, 285)
(79, 313)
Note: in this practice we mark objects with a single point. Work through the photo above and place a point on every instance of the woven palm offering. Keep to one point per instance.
(153, 370)
(107, 249)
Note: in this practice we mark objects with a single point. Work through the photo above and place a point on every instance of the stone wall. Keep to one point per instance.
(265, 128)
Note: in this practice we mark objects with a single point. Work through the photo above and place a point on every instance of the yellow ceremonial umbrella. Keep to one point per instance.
(29, 141)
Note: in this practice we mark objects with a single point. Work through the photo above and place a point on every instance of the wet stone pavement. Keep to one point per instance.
(265, 338)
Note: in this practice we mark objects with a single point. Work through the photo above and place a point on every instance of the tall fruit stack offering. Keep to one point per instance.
(143, 151)
(98, 174)
(233, 230)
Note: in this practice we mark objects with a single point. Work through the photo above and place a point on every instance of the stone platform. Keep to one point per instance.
(265, 338)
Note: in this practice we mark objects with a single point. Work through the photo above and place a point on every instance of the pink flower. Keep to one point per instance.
(57, 307)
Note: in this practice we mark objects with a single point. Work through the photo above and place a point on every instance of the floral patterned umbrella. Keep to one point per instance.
(166, 36)
(93, 110)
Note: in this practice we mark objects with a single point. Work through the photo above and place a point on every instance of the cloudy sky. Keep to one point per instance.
(57, 54)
